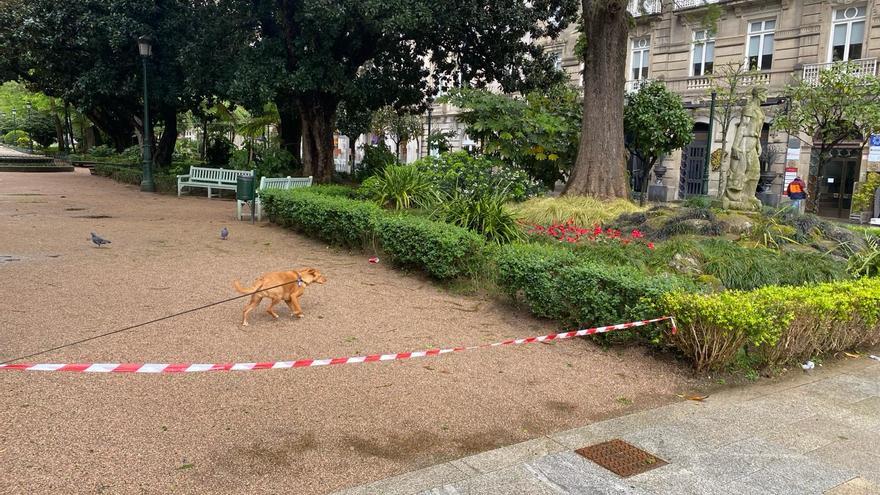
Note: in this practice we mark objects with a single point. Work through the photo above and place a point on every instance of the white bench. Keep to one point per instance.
(273, 183)
(210, 178)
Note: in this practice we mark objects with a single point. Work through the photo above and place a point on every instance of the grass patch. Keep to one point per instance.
(584, 210)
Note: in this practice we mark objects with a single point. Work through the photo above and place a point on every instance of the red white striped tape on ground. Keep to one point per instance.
(304, 363)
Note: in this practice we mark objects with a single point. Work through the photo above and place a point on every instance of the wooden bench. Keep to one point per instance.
(210, 179)
(273, 183)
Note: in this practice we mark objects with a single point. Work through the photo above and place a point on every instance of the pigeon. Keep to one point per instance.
(224, 233)
(98, 240)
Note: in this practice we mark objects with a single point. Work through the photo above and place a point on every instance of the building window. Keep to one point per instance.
(703, 53)
(847, 34)
(556, 57)
(760, 45)
(640, 54)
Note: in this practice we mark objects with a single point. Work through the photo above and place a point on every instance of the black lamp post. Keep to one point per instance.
(29, 128)
(145, 47)
(14, 124)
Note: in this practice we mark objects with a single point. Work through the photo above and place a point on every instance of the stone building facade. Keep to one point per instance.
(780, 40)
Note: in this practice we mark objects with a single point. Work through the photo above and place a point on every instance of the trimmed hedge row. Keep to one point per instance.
(556, 283)
(134, 175)
(775, 325)
(443, 251)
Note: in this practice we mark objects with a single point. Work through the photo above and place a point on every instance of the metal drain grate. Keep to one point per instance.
(621, 458)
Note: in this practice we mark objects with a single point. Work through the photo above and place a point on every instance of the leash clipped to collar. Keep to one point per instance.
(299, 280)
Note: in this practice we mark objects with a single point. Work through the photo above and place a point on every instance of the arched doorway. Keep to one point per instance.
(693, 163)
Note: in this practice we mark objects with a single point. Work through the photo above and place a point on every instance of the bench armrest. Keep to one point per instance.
(183, 176)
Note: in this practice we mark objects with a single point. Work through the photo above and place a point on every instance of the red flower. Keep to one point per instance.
(650, 245)
(637, 234)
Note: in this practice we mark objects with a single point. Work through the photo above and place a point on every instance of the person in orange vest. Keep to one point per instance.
(797, 193)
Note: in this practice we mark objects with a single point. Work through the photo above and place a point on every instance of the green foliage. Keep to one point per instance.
(777, 325)
(539, 133)
(863, 197)
(442, 250)
(376, 158)
(655, 123)
(337, 220)
(866, 261)
(399, 125)
(438, 141)
(586, 211)
(165, 182)
(477, 175)
(699, 202)
(556, 284)
(219, 151)
(334, 190)
(14, 137)
(400, 187)
(484, 213)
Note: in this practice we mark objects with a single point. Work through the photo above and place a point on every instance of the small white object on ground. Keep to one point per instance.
(374, 259)
(875, 358)
(808, 365)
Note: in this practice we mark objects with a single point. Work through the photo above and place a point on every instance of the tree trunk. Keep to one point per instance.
(600, 167)
(646, 176)
(204, 147)
(165, 146)
(318, 114)
(290, 135)
(352, 149)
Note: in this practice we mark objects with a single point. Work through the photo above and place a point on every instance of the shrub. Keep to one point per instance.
(219, 151)
(775, 325)
(102, 151)
(333, 190)
(583, 210)
(376, 158)
(477, 176)
(866, 262)
(485, 214)
(334, 219)
(400, 186)
(556, 284)
(863, 197)
(443, 251)
(15, 137)
(132, 174)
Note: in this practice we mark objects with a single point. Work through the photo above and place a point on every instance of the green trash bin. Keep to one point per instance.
(244, 188)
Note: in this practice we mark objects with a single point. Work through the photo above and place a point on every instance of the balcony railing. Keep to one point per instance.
(634, 85)
(859, 68)
(690, 4)
(643, 7)
(705, 82)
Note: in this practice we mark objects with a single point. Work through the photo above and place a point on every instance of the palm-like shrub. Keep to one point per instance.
(400, 187)
(484, 213)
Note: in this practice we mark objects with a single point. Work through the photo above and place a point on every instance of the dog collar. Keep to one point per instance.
(299, 280)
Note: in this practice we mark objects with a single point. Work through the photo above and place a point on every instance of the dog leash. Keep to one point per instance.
(298, 281)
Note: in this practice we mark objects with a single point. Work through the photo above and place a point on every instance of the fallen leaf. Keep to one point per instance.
(849, 354)
(698, 398)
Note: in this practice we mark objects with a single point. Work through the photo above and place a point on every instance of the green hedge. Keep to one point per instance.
(337, 220)
(555, 283)
(443, 250)
(334, 190)
(133, 175)
(775, 325)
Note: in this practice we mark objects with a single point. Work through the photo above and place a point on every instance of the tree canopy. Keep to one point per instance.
(655, 123)
(843, 105)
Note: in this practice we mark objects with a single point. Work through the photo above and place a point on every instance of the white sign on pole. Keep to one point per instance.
(874, 148)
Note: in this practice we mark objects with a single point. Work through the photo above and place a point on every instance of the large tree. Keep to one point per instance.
(600, 169)
(381, 52)
(843, 105)
(85, 53)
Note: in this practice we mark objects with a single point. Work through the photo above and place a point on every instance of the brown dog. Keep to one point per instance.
(280, 286)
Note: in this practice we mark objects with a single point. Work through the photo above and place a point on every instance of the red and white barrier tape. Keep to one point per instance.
(304, 363)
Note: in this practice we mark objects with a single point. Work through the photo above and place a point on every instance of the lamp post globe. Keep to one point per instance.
(145, 48)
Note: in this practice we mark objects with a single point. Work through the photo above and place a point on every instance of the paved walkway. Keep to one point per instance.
(811, 433)
(5, 151)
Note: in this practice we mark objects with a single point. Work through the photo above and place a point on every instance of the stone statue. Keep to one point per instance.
(745, 164)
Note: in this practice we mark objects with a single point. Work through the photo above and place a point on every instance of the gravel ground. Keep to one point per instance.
(299, 431)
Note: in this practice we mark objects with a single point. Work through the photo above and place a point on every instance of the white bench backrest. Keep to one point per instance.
(284, 182)
(221, 175)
